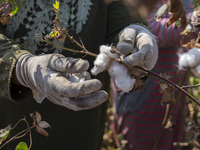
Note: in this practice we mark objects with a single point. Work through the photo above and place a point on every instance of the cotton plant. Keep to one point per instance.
(106, 60)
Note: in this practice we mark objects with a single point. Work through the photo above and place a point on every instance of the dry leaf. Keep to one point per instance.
(170, 123)
(5, 13)
(161, 11)
(168, 93)
(192, 131)
(197, 21)
(39, 124)
(41, 131)
(176, 7)
(191, 44)
(139, 84)
(186, 32)
(4, 133)
(58, 33)
(43, 124)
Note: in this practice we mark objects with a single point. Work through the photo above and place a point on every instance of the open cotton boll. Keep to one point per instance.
(125, 82)
(102, 60)
(190, 58)
(116, 69)
(106, 50)
(121, 77)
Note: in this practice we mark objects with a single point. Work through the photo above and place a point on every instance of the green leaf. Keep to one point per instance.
(14, 11)
(120, 136)
(191, 80)
(178, 22)
(21, 146)
(196, 81)
(4, 133)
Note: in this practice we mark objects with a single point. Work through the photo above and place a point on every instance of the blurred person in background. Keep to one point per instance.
(138, 116)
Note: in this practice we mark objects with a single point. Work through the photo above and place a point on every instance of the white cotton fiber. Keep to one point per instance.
(121, 76)
(198, 69)
(190, 58)
(102, 60)
(106, 50)
(100, 64)
(116, 70)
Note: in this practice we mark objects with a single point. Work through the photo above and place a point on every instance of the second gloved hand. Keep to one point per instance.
(45, 75)
(139, 47)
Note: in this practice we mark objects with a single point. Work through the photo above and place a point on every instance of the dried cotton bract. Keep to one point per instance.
(116, 70)
(190, 59)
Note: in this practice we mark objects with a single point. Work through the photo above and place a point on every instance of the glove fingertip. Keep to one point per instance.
(124, 48)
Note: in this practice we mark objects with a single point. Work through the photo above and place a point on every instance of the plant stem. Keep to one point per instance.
(162, 127)
(15, 137)
(170, 82)
(190, 86)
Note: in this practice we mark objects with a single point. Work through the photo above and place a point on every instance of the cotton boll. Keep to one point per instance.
(190, 58)
(122, 79)
(116, 69)
(125, 82)
(106, 50)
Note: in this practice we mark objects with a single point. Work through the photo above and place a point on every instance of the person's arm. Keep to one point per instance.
(14, 79)
(46, 77)
(10, 52)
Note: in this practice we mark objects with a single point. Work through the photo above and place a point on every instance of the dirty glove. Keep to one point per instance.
(45, 75)
(139, 47)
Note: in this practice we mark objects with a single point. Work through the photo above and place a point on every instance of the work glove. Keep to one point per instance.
(139, 48)
(62, 80)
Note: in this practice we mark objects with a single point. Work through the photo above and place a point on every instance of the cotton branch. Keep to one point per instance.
(85, 51)
(171, 83)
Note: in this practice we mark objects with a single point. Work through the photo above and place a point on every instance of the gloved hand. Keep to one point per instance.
(45, 75)
(141, 44)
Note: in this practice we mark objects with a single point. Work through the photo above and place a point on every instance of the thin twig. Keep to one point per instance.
(190, 86)
(30, 139)
(14, 137)
(74, 41)
(83, 45)
(5, 5)
(18, 123)
(166, 114)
